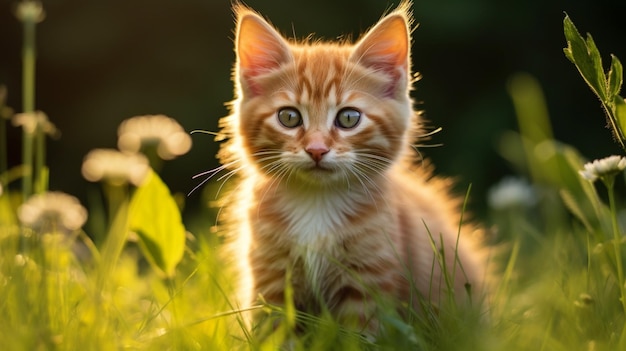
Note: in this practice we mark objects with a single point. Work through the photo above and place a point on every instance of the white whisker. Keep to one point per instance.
(211, 172)
(431, 133)
(367, 165)
(281, 169)
(426, 145)
(201, 131)
(227, 176)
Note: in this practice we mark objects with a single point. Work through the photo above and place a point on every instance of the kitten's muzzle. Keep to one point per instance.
(317, 152)
(316, 147)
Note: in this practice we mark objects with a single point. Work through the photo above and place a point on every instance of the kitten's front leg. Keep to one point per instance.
(356, 302)
(370, 277)
(356, 310)
(269, 286)
(268, 269)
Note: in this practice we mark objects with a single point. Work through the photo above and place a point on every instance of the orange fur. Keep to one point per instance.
(346, 210)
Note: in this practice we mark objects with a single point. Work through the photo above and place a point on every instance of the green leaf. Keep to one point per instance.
(585, 55)
(615, 76)
(619, 108)
(596, 61)
(156, 219)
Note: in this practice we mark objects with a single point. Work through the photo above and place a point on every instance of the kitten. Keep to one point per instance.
(330, 192)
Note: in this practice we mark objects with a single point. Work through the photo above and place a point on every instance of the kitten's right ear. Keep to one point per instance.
(260, 48)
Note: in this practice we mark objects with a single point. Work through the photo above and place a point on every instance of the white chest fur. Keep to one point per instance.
(317, 219)
(317, 225)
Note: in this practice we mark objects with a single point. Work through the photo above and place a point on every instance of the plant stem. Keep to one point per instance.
(28, 103)
(28, 68)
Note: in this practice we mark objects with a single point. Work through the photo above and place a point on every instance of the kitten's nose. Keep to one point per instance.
(316, 149)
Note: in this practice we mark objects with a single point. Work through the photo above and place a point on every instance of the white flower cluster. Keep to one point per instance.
(30, 11)
(170, 138)
(511, 192)
(115, 166)
(608, 166)
(30, 121)
(52, 211)
(129, 165)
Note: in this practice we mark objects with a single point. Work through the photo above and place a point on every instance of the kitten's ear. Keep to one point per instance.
(260, 48)
(386, 47)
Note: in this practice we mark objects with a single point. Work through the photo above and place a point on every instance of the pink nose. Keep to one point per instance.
(316, 150)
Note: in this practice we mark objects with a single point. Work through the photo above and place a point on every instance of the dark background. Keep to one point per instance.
(100, 62)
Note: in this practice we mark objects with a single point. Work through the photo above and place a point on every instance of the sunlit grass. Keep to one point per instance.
(135, 283)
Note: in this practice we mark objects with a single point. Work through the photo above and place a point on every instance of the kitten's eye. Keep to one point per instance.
(289, 117)
(348, 118)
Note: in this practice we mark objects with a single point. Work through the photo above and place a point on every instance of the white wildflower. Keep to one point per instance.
(115, 167)
(608, 166)
(30, 11)
(511, 192)
(165, 133)
(31, 120)
(49, 210)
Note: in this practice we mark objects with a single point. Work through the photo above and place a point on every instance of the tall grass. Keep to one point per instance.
(138, 280)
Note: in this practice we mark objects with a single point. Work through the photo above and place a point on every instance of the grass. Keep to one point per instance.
(136, 283)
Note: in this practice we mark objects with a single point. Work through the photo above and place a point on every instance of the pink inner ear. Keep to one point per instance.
(386, 47)
(260, 49)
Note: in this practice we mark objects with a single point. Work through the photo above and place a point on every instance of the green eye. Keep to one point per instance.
(289, 117)
(348, 118)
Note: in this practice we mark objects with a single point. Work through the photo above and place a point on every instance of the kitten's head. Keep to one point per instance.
(322, 112)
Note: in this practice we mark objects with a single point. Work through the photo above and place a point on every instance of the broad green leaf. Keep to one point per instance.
(156, 219)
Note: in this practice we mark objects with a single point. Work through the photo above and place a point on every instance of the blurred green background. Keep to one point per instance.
(100, 62)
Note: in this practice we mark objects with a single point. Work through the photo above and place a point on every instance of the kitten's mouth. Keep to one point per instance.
(318, 169)
(317, 174)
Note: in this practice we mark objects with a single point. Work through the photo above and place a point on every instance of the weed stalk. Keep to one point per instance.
(29, 24)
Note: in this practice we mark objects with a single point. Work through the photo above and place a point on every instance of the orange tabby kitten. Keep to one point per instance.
(330, 196)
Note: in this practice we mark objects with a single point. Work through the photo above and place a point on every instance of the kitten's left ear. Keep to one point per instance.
(386, 47)
(260, 48)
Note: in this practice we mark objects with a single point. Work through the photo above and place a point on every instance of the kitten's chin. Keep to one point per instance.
(317, 175)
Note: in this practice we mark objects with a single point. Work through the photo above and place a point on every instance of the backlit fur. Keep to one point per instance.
(358, 224)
